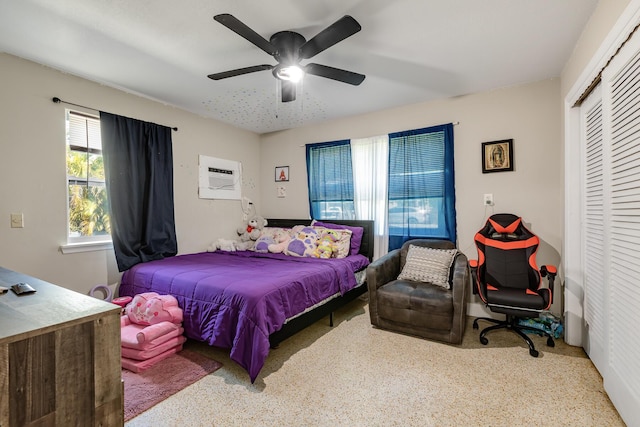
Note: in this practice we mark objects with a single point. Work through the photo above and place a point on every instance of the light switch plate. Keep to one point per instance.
(17, 220)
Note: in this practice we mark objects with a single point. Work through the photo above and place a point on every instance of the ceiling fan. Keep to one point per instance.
(289, 48)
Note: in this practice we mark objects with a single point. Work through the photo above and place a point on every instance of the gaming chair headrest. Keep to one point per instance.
(504, 227)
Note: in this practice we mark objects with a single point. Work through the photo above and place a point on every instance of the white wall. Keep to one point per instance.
(530, 114)
(33, 176)
(602, 20)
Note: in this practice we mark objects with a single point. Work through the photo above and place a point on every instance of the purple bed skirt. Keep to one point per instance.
(236, 300)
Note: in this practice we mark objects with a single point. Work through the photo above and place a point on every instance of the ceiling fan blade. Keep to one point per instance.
(334, 33)
(239, 71)
(334, 74)
(235, 25)
(288, 91)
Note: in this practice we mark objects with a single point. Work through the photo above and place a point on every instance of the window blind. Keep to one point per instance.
(84, 133)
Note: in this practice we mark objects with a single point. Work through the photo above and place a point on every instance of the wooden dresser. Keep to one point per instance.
(59, 357)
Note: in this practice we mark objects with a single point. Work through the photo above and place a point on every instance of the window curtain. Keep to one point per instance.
(139, 179)
(330, 180)
(421, 185)
(370, 160)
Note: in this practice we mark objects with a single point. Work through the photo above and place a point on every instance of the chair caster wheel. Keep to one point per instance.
(533, 353)
(550, 343)
(484, 341)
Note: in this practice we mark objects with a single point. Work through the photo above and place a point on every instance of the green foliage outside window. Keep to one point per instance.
(88, 205)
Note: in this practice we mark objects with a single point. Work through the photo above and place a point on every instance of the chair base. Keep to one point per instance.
(511, 323)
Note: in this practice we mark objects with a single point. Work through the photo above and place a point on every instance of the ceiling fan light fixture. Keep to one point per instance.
(290, 73)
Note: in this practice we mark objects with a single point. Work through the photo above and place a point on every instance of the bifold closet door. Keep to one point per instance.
(592, 153)
(621, 113)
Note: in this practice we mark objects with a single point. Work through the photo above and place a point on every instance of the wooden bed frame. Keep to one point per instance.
(299, 323)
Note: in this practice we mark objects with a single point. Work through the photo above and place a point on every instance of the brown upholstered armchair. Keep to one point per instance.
(414, 307)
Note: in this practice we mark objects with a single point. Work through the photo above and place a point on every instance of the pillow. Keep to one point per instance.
(356, 234)
(270, 236)
(150, 308)
(430, 265)
(272, 231)
(341, 240)
(303, 243)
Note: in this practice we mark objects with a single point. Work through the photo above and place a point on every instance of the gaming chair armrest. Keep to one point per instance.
(549, 271)
(473, 266)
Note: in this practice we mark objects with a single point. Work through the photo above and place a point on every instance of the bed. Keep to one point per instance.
(249, 302)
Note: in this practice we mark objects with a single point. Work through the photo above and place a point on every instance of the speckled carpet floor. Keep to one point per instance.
(357, 375)
(147, 388)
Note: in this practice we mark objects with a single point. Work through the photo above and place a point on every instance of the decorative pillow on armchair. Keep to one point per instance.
(429, 265)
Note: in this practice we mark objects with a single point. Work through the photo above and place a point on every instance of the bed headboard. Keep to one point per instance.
(366, 247)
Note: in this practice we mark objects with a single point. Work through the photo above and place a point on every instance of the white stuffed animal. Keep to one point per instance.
(223, 245)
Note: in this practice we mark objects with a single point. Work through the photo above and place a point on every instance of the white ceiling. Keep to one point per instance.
(410, 50)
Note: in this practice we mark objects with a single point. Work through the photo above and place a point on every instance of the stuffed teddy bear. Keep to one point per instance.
(250, 233)
(327, 244)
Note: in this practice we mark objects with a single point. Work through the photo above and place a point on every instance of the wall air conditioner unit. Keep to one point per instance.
(219, 178)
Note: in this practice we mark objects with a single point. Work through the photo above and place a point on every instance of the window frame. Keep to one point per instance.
(81, 243)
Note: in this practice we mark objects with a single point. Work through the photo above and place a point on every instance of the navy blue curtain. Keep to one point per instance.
(421, 185)
(138, 162)
(330, 180)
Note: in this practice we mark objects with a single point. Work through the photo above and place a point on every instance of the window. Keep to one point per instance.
(421, 189)
(88, 210)
(330, 177)
(420, 198)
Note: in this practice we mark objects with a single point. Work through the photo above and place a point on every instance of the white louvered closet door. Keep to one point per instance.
(593, 220)
(621, 164)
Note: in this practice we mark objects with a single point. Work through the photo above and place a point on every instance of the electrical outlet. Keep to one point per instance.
(488, 199)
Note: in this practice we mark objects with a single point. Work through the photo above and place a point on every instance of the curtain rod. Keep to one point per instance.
(58, 100)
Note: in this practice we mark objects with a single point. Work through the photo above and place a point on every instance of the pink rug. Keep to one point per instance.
(150, 387)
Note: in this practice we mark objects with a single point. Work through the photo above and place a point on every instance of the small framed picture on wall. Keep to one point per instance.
(497, 156)
(282, 173)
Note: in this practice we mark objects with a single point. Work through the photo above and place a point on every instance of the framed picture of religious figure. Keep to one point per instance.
(497, 156)
(282, 173)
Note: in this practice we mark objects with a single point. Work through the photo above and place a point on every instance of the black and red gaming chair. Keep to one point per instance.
(507, 278)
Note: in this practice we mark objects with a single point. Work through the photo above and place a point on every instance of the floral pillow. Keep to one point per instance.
(356, 233)
(342, 240)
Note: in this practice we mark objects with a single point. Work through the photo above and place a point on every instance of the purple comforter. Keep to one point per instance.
(237, 299)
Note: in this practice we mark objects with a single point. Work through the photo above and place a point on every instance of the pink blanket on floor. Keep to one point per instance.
(144, 337)
(149, 352)
(140, 365)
